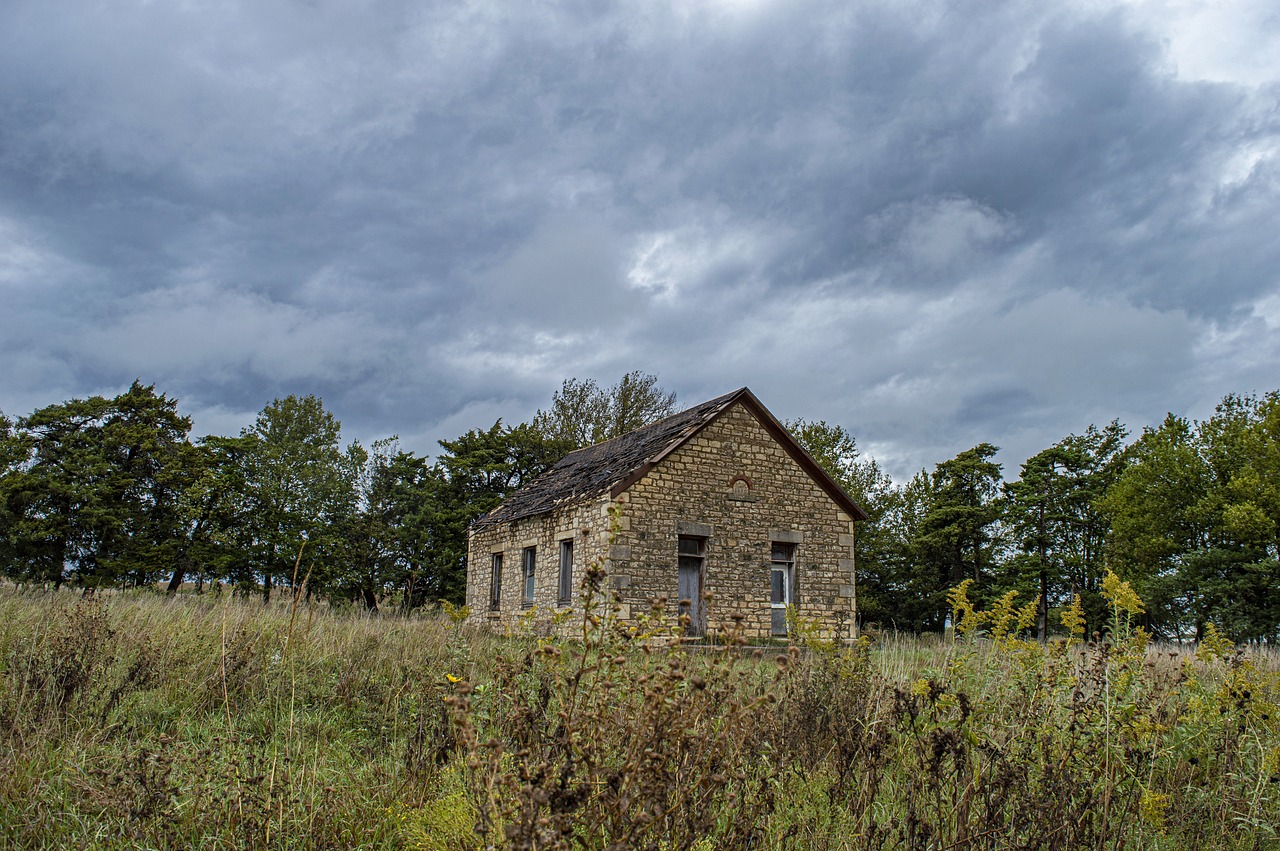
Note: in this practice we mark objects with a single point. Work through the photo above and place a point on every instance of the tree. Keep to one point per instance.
(405, 495)
(637, 400)
(1193, 520)
(301, 484)
(1056, 521)
(474, 474)
(577, 417)
(96, 497)
(912, 594)
(583, 414)
(220, 520)
(15, 451)
(956, 538)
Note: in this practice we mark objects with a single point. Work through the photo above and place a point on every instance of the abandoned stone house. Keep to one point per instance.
(719, 511)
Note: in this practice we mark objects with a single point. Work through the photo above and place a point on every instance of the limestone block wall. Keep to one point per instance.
(586, 524)
(740, 488)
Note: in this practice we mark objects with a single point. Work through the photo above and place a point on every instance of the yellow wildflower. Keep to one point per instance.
(1073, 618)
(1152, 807)
(1121, 594)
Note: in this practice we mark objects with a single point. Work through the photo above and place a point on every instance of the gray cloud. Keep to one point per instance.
(936, 226)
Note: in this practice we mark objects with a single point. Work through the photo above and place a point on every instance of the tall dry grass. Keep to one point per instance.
(132, 721)
(202, 722)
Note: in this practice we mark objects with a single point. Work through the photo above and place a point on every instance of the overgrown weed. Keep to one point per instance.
(988, 741)
(135, 721)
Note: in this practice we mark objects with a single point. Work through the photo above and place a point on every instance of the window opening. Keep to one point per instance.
(528, 557)
(782, 580)
(495, 583)
(566, 572)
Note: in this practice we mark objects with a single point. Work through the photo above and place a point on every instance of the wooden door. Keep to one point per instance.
(689, 584)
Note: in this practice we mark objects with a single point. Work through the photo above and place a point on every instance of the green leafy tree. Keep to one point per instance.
(383, 551)
(582, 413)
(637, 400)
(1159, 515)
(577, 416)
(911, 589)
(1193, 520)
(300, 482)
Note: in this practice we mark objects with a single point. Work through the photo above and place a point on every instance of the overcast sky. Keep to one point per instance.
(932, 223)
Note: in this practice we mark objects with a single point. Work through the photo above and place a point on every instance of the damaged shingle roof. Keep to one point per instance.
(616, 464)
(591, 471)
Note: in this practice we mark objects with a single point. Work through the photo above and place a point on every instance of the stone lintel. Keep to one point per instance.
(786, 536)
(697, 530)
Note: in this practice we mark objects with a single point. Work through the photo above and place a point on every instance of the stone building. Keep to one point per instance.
(719, 511)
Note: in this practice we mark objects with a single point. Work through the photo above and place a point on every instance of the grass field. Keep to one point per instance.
(202, 722)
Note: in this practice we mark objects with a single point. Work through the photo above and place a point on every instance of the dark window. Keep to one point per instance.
(528, 556)
(692, 555)
(782, 581)
(566, 572)
(495, 583)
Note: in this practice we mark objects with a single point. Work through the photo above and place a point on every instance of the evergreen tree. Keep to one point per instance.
(1056, 521)
(474, 474)
(220, 518)
(96, 497)
(957, 538)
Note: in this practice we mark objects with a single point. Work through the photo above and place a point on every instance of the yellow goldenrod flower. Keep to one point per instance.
(1121, 594)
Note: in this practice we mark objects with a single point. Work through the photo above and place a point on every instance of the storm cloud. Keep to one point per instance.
(934, 224)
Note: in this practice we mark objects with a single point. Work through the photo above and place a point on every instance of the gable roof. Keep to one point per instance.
(617, 464)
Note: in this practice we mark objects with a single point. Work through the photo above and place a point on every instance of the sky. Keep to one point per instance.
(934, 224)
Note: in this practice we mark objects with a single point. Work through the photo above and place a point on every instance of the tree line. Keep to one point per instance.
(1188, 512)
(115, 492)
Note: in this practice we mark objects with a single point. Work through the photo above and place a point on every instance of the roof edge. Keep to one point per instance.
(802, 457)
(640, 472)
(777, 430)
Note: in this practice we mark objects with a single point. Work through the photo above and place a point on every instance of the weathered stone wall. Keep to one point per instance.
(586, 524)
(740, 487)
(733, 484)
